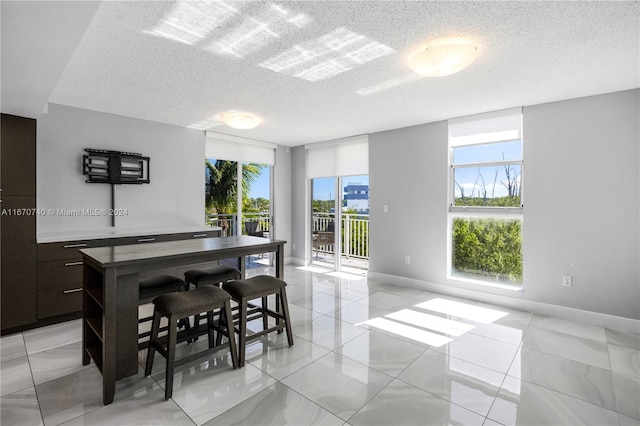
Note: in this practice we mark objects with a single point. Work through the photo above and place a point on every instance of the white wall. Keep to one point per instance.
(408, 173)
(299, 205)
(581, 195)
(175, 196)
(282, 197)
(582, 203)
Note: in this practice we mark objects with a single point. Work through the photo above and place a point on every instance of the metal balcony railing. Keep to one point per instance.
(354, 230)
(229, 222)
(354, 233)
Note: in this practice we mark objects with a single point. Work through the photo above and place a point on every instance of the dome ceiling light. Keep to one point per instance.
(442, 57)
(240, 120)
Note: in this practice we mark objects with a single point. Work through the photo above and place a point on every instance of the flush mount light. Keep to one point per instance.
(442, 57)
(240, 120)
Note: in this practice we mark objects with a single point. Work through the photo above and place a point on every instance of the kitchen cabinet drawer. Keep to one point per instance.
(124, 241)
(60, 273)
(66, 249)
(204, 234)
(59, 301)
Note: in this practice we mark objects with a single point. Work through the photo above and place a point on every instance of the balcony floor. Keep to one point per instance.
(349, 264)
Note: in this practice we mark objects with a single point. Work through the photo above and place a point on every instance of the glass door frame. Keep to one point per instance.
(337, 218)
(239, 209)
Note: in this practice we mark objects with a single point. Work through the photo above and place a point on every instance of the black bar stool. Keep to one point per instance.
(217, 275)
(149, 288)
(177, 306)
(261, 286)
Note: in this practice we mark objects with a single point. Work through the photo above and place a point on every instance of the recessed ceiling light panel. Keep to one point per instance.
(442, 57)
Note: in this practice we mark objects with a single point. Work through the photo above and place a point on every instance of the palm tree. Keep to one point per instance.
(221, 190)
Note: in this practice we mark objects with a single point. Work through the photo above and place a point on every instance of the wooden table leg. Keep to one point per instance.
(280, 262)
(109, 337)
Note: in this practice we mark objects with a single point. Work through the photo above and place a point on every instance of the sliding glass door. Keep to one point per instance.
(323, 235)
(340, 223)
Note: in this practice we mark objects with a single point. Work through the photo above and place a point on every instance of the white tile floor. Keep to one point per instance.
(364, 354)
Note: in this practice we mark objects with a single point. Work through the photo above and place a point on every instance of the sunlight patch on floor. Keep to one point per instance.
(345, 275)
(462, 310)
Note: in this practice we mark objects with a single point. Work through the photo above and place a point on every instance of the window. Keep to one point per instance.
(238, 183)
(485, 198)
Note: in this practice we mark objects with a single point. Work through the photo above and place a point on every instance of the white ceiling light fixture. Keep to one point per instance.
(442, 57)
(240, 120)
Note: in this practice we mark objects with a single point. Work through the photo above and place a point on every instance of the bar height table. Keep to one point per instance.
(110, 296)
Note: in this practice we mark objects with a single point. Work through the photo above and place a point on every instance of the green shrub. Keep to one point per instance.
(488, 249)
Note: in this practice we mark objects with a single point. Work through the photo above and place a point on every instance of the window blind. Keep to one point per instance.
(339, 157)
(233, 148)
(496, 126)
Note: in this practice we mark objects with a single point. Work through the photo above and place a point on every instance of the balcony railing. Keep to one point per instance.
(229, 222)
(354, 230)
(355, 233)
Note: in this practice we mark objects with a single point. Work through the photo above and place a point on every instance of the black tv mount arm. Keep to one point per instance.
(115, 168)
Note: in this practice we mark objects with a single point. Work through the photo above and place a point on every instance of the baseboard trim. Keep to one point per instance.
(589, 317)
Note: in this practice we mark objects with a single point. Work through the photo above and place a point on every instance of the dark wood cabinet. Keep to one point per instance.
(18, 174)
(18, 268)
(142, 239)
(59, 269)
(192, 235)
(18, 221)
(60, 277)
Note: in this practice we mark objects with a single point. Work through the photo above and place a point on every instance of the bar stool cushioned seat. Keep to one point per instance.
(216, 275)
(149, 288)
(260, 286)
(176, 306)
(158, 285)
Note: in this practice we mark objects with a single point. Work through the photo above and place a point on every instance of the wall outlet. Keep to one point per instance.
(385, 208)
(293, 246)
(567, 281)
(407, 259)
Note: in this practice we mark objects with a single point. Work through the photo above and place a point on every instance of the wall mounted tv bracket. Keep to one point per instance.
(115, 168)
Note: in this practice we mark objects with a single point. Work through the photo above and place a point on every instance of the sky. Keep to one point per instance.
(324, 188)
(471, 178)
(468, 178)
(260, 188)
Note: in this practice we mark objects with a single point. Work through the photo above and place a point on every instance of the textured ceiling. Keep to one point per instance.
(323, 70)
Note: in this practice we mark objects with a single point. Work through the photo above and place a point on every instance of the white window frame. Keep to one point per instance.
(480, 212)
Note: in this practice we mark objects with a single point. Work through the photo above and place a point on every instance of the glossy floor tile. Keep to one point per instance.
(381, 352)
(338, 384)
(274, 356)
(12, 347)
(21, 408)
(16, 375)
(459, 382)
(484, 351)
(366, 352)
(625, 360)
(276, 405)
(583, 381)
(572, 328)
(57, 362)
(523, 403)
(564, 345)
(627, 391)
(402, 404)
